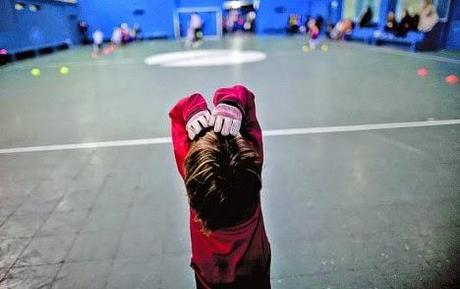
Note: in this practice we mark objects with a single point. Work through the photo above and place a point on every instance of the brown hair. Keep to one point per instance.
(223, 179)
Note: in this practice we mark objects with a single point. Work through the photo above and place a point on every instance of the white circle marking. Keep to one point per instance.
(214, 57)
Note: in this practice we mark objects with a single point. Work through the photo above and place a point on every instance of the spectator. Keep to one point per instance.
(428, 17)
(293, 24)
(405, 24)
(414, 22)
(342, 28)
(319, 22)
(83, 31)
(391, 25)
(365, 19)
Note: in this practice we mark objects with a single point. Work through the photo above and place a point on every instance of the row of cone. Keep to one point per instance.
(450, 79)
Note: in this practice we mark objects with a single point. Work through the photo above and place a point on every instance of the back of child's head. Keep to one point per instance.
(223, 179)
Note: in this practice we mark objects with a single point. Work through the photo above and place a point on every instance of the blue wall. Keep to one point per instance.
(157, 20)
(208, 18)
(385, 7)
(106, 14)
(51, 24)
(7, 25)
(273, 14)
(453, 34)
(209, 23)
(198, 3)
(54, 22)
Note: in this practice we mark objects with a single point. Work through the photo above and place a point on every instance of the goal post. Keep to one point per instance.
(211, 17)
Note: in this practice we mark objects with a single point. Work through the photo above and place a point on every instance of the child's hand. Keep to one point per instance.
(197, 122)
(226, 119)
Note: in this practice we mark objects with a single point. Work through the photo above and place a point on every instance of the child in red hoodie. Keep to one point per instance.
(219, 155)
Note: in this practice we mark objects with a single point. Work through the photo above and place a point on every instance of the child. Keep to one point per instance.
(98, 39)
(116, 37)
(194, 31)
(125, 35)
(313, 31)
(221, 168)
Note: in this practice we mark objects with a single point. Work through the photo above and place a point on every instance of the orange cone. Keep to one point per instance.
(451, 79)
(422, 72)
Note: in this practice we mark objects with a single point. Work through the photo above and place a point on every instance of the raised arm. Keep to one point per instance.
(242, 98)
(180, 114)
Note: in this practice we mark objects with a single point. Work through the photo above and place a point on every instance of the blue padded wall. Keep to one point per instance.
(209, 18)
(273, 14)
(8, 27)
(209, 23)
(156, 20)
(198, 3)
(453, 34)
(52, 23)
(56, 22)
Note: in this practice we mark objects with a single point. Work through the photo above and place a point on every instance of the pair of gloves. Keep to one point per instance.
(226, 119)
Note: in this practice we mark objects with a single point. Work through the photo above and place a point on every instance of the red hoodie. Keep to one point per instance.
(236, 257)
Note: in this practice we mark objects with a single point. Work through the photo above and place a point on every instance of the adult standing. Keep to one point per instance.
(428, 16)
(83, 31)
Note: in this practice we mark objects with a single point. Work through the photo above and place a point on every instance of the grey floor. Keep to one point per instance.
(370, 209)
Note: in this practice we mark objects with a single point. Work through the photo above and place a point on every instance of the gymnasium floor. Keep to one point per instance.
(362, 201)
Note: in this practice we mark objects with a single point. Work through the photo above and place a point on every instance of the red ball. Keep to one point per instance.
(422, 72)
(451, 79)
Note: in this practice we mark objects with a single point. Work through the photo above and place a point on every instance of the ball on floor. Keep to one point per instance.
(324, 47)
(422, 72)
(64, 70)
(35, 72)
(305, 48)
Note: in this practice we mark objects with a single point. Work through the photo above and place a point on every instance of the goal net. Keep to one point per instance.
(210, 16)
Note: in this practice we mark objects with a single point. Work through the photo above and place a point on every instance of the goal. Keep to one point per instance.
(211, 17)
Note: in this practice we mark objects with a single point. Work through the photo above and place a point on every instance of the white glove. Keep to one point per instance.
(197, 122)
(226, 119)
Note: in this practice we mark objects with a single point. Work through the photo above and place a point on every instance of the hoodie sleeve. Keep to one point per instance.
(179, 115)
(244, 99)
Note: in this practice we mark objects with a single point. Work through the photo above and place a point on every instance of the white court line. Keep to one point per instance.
(267, 133)
(398, 144)
(361, 127)
(418, 55)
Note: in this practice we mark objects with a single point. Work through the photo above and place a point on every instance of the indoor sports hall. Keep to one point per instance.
(361, 138)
